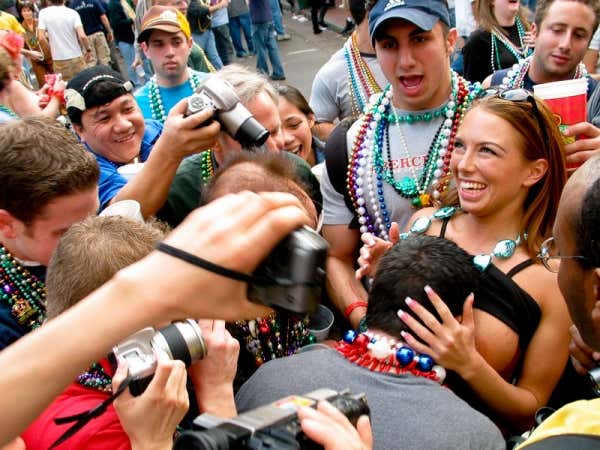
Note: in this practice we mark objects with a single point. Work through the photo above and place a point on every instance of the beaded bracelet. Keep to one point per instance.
(352, 306)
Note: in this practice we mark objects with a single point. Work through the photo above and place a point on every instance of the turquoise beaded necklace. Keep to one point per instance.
(503, 249)
(8, 111)
(518, 52)
(23, 291)
(156, 104)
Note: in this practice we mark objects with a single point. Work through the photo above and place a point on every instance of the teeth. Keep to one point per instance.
(472, 185)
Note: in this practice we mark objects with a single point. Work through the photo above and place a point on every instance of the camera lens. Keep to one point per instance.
(213, 439)
(181, 340)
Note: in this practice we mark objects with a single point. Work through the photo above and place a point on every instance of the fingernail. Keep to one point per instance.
(428, 289)
(401, 313)
(409, 301)
(404, 335)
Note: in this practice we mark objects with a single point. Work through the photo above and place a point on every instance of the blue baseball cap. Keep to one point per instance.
(423, 13)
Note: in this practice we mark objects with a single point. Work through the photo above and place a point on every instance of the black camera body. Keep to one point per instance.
(234, 117)
(274, 426)
(292, 276)
(181, 340)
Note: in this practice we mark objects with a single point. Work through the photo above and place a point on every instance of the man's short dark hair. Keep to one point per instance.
(407, 268)
(587, 226)
(543, 6)
(40, 160)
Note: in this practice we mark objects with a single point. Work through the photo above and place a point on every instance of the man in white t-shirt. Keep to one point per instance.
(65, 33)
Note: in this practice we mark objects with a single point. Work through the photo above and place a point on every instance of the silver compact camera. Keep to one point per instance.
(292, 276)
(235, 119)
(181, 340)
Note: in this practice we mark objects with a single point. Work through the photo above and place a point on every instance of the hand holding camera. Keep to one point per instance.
(151, 419)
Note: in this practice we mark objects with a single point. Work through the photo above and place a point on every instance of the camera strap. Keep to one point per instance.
(81, 419)
(211, 267)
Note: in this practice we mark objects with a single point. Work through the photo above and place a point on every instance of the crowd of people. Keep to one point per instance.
(461, 221)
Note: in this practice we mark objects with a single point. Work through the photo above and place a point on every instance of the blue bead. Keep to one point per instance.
(379, 191)
(373, 340)
(349, 336)
(388, 225)
(405, 355)
(425, 363)
(379, 184)
(381, 199)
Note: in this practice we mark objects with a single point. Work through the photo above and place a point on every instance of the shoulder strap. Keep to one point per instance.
(521, 266)
(336, 160)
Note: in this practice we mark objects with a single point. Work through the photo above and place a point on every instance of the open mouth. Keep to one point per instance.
(471, 190)
(411, 83)
(295, 150)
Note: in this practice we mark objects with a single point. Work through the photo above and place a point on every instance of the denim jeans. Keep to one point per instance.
(223, 43)
(277, 20)
(265, 44)
(206, 40)
(128, 53)
(237, 25)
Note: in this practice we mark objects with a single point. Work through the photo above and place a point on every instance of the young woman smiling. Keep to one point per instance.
(511, 345)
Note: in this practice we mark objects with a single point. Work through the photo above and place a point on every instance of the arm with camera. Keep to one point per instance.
(181, 137)
(236, 231)
(213, 375)
(151, 419)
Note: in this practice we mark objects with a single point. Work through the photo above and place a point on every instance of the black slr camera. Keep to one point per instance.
(275, 426)
(292, 276)
(180, 340)
(235, 119)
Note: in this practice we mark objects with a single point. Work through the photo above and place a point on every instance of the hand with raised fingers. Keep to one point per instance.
(581, 150)
(151, 418)
(213, 375)
(451, 343)
(327, 426)
(373, 249)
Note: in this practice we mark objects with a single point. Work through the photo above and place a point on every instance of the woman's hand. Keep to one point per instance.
(327, 426)
(213, 375)
(372, 249)
(150, 419)
(451, 343)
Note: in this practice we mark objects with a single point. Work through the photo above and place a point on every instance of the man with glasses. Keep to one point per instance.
(562, 30)
(574, 253)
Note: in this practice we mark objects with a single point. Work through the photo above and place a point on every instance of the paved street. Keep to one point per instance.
(306, 52)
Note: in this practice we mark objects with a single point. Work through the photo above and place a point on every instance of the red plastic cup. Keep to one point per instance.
(568, 101)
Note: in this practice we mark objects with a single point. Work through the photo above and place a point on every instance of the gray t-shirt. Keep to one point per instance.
(330, 95)
(405, 161)
(407, 412)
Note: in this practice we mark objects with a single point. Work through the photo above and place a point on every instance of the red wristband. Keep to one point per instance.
(352, 306)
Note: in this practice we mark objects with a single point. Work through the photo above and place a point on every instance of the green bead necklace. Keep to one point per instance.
(23, 291)
(412, 118)
(207, 167)
(156, 104)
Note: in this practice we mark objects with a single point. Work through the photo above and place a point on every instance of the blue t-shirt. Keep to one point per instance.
(111, 181)
(90, 12)
(169, 96)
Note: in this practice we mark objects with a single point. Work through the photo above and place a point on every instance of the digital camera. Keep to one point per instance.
(275, 426)
(181, 340)
(292, 276)
(235, 119)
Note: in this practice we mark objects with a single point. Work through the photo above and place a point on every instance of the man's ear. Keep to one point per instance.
(79, 130)
(144, 47)
(8, 224)
(451, 40)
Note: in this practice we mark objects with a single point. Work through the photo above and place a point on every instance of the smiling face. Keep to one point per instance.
(562, 40)
(296, 127)
(505, 10)
(490, 170)
(169, 54)
(416, 63)
(114, 130)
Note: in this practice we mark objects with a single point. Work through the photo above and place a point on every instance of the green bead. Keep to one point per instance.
(416, 202)
(312, 339)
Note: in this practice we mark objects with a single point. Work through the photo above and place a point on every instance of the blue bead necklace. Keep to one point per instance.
(503, 249)
(382, 354)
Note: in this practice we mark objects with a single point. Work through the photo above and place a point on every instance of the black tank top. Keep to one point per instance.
(504, 299)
